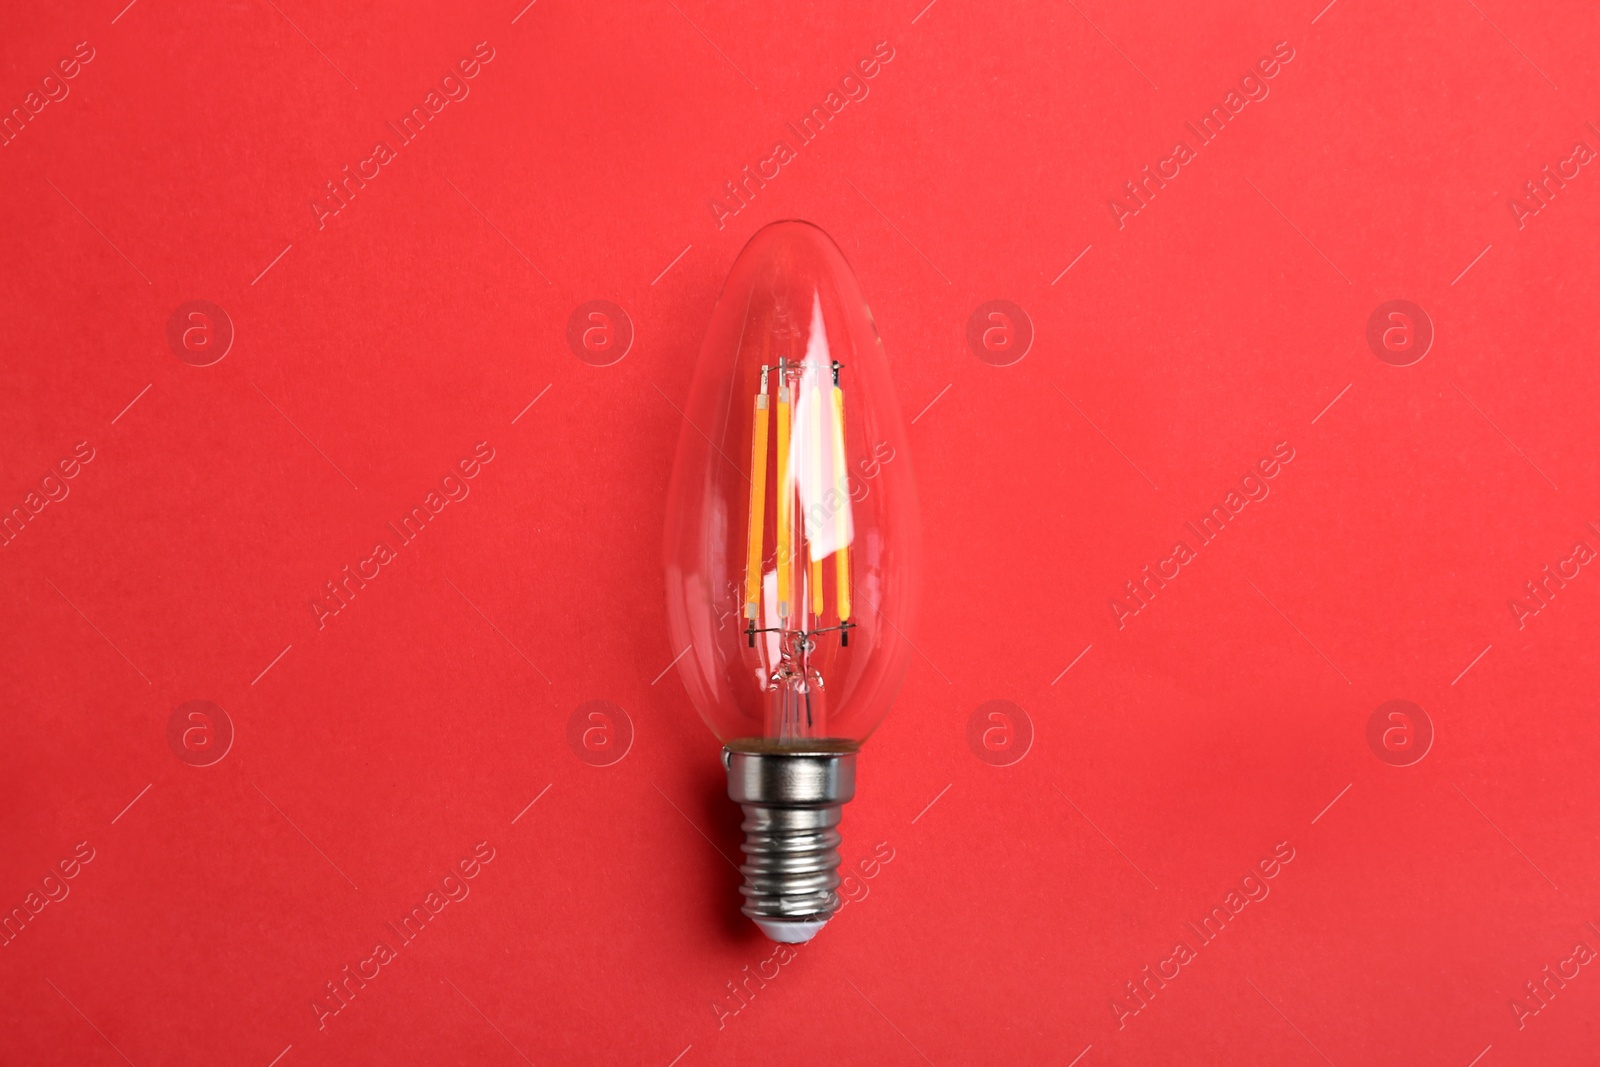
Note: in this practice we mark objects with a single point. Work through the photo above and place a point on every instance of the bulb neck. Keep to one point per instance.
(791, 801)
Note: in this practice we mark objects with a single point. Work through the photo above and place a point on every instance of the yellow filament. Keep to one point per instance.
(841, 517)
(758, 509)
(817, 445)
(785, 501)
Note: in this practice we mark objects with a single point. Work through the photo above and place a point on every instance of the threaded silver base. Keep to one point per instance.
(791, 802)
(791, 865)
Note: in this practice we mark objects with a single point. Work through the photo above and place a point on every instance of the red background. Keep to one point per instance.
(372, 754)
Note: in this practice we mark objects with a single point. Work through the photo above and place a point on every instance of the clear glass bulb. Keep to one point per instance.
(792, 516)
(792, 531)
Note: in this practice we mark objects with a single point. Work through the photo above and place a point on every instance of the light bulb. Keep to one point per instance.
(791, 558)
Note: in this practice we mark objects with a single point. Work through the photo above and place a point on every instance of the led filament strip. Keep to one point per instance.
(786, 552)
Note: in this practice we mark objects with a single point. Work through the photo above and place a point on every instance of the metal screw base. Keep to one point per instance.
(791, 801)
